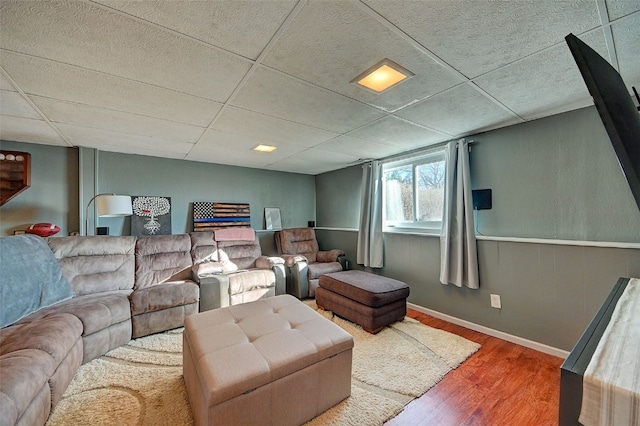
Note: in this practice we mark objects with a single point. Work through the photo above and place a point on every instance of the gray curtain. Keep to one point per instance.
(370, 246)
(459, 256)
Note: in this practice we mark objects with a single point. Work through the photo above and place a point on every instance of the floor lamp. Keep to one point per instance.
(109, 205)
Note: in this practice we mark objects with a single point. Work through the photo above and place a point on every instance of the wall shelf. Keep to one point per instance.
(15, 174)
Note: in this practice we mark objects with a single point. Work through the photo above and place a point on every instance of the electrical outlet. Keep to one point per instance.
(495, 301)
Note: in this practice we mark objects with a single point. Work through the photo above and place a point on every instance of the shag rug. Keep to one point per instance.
(141, 383)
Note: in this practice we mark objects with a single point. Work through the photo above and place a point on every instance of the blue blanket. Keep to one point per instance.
(30, 278)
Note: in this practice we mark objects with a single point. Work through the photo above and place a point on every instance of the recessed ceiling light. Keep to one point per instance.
(265, 148)
(382, 76)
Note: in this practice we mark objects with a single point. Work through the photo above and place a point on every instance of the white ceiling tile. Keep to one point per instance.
(5, 84)
(544, 83)
(12, 103)
(59, 81)
(457, 111)
(120, 142)
(231, 158)
(619, 8)
(149, 77)
(626, 37)
(272, 93)
(399, 133)
(358, 148)
(21, 129)
(477, 37)
(225, 148)
(332, 42)
(107, 119)
(314, 161)
(241, 26)
(269, 129)
(85, 35)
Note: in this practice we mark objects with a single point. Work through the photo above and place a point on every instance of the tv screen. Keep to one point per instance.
(617, 111)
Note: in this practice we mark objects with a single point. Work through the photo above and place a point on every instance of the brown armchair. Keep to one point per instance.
(305, 261)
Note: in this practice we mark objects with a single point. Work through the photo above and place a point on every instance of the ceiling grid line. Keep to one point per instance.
(436, 58)
(608, 34)
(292, 15)
(168, 30)
(178, 79)
(26, 98)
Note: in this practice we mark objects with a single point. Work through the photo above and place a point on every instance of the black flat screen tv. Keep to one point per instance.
(617, 111)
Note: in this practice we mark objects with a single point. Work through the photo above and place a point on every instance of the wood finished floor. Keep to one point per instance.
(501, 384)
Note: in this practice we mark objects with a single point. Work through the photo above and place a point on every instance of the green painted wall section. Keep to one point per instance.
(557, 178)
(189, 181)
(53, 194)
(554, 178)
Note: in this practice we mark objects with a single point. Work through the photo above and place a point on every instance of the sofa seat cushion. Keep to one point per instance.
(253, 279)
(96, 312)
(24, 373)
(54, 335)
(317, 269)
(164, 296)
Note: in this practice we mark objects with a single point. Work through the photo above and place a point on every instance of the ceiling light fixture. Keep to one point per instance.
(264, 148)
(382, 76)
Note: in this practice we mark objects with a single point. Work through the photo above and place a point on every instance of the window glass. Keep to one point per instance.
(413, 191)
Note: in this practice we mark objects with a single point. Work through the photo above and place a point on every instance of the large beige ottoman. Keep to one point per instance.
(270, 362)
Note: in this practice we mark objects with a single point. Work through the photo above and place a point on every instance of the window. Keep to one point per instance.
(413, 191)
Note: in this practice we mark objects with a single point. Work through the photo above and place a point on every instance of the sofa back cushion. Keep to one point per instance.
(96, 264)
(162, 258)
(241, 252)
(30, 278)
(298, 241)
(203, 247)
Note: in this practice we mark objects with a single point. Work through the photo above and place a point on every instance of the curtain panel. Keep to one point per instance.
(370, 251)
(458, 251)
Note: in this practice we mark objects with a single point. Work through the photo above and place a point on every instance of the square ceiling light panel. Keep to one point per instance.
(264, 148)
(382, 76)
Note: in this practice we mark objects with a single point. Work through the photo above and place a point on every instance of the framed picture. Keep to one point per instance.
(151, 215)
(272, 220)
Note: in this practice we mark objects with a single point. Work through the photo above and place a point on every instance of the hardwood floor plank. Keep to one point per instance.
(501, 384)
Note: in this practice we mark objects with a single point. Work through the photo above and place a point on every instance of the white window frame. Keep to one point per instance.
(428, 227)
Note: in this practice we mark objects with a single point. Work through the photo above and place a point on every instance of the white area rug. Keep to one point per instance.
(141, 383)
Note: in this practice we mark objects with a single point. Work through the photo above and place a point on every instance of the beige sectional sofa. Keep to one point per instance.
(123, 288)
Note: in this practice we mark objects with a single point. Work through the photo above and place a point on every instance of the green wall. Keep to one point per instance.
(555, 178)
(65, 178)
(53, 194)
(189, 181)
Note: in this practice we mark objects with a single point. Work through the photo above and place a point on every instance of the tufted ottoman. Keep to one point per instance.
(273, 361)
(370, 300)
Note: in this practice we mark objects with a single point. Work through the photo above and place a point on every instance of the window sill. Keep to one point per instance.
(412, 231)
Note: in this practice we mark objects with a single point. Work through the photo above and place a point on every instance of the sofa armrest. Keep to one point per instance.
(214, 292)
(206, 269)
(268, 262)
(329, 256)
(292, 259)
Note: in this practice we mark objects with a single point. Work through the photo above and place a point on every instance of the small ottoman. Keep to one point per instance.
(370, 300)
(274, 361)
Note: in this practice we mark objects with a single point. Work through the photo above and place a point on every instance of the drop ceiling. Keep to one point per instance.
(209, 80)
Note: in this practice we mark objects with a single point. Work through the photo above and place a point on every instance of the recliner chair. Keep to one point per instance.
(305, 261)
(231, 269)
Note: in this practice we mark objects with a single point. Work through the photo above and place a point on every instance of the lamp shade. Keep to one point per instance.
(114, 205)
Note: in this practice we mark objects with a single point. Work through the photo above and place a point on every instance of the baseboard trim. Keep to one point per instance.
(540, 347)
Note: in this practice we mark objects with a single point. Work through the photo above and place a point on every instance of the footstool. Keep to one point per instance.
(274, 361)
(370, 300)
